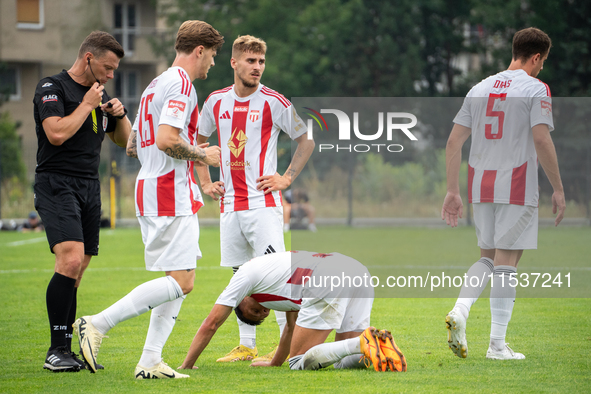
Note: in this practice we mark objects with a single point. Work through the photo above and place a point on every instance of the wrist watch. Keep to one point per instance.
(124, 114)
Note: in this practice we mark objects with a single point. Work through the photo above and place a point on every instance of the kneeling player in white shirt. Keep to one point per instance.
(301, 284)
(509, 116)
(167, 201)
(249, 117)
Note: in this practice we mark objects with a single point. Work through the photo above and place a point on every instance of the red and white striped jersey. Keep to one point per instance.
(277, 280)
(166, 186)
(248, 128)
(501, 111)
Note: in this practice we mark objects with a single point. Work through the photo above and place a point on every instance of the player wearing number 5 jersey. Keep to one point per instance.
(295, 282)
(167, 200)
(509, 116)
(248, 117)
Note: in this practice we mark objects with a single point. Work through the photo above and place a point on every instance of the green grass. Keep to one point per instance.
(554, 333)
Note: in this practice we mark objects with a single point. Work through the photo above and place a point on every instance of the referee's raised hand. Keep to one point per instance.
(94, 95)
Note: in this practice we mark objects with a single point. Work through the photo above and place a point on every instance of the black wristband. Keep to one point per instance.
(124, 114)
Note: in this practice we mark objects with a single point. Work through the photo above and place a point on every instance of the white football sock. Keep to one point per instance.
(502, 299)
(472, 289)
(248, 334)
(281, 321)
(326, 354)
(162, 322)
(354, 361)
(140, 300)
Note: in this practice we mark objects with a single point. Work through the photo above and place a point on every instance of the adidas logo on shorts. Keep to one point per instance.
(269, 250)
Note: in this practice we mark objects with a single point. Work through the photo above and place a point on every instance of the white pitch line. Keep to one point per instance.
(26, 241)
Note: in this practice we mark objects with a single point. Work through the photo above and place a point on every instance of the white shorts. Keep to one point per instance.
(172, 243)
(245, 235)
(506, 226)
(340, 314)
(344, 308)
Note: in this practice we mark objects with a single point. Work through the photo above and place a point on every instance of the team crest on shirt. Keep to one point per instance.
(237, 142)
(254, 115)
(176, 109)
(546, 108)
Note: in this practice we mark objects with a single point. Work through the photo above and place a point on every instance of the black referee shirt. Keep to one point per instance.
(79, 156)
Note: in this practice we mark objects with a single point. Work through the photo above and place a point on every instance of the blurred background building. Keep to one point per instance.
(39, 38)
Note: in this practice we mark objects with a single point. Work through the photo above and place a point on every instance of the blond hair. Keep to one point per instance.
(191, 34)
(248, 44)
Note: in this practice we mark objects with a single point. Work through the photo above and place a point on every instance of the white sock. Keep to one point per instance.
(502, 299)
(353, 361)
(248, 334)
(281, 321)
(325, 354)
(140, 300)
(469, 294)
(162, 322)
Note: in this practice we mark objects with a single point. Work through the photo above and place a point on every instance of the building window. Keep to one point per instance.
(126, 90)
(29, 14)
(9, 83)
(125, 24)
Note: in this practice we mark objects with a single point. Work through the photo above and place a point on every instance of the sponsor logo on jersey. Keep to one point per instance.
(49, 97)
(46, 85)
(238, 165)
(176, 109)
(254, 115)
(226, 115)
(237, 142)
(240, 109)
(546, 108)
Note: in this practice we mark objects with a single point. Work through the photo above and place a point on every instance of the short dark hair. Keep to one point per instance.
(99, 42)
(530, 41)
(240, 316)
(248, 44)
(191, 34)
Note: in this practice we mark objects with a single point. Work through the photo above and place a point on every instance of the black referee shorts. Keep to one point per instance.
(70, 209)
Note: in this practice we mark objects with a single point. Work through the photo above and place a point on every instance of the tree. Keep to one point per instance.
(11, 161)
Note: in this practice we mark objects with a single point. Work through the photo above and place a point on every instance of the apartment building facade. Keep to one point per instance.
(42, 37)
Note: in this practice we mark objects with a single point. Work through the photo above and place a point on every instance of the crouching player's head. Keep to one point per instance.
(251, 312)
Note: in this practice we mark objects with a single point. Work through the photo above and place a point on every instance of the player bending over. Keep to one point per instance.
(293, 282)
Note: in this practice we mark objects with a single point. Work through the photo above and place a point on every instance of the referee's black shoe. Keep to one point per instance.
(60, 360)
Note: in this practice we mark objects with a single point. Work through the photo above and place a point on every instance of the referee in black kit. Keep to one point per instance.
(72, 114)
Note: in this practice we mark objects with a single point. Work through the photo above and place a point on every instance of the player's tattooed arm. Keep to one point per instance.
(170, 142)
(132, 144)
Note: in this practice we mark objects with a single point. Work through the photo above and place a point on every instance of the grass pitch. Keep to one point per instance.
(553, 333)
